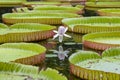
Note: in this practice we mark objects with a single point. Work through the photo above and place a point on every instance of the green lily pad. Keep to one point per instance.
(76, 37)
(26, 53)
(92, 24)
(109, 12)
(21, 9)
(25, 32)
(103, 0)
(45, 18)
(3, 26)
(101, 5)
(51, 9)
(59, 8)
(9, 3)
(102, 41)
(31, 3)
(15, 71)
(91, 66)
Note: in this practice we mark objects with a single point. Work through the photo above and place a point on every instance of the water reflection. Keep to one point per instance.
(57, 56)
(58, 63)
(89, 49)
(58, 53)
(61, 53)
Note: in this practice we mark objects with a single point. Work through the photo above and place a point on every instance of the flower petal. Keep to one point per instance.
(66, 29)
(55, 51)
(61, 30)
(60, 38)
(67, 35)
(55, 31)
(55, 36)
(61, 56)
(66, 52)
(66, 55)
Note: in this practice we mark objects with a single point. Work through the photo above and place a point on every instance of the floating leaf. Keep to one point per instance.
(51, 9)
(92, 24)
(8, 3)
(109, 12)
(15, 71)
(26, 53)
(103, 0)
(101, 5)
(36, 3)
(102, 41)
(58, 9)
(89, 65)
(25, 32)
(45, 18)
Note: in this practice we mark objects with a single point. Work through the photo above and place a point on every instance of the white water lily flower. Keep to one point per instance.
(61, 54)
(60, 33)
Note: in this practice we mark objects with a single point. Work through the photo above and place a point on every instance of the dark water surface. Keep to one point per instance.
(52, 59)
(72, 44)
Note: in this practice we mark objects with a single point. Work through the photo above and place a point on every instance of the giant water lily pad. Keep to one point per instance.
(103, 0)
(36, 3)
(46, 18)
(26, 53)
(8, 3)
(14, 71)
(51, 9)
(101, 5)
(109, 12)
(102, 41)
(91, 66)
(92, 24)
(25, 32)
(59, 9)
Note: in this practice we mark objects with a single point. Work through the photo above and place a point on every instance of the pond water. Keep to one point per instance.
(52, 59)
